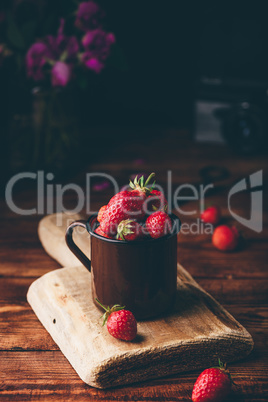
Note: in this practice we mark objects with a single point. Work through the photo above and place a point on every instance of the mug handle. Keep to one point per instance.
(73, 247)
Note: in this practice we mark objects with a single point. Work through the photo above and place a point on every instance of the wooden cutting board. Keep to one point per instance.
(192, 336)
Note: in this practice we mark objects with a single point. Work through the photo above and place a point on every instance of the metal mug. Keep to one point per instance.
(140, 275)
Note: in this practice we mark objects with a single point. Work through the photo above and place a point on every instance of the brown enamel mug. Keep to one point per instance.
(140, 275)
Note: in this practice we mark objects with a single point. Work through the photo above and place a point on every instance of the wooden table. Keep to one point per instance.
(32, 368)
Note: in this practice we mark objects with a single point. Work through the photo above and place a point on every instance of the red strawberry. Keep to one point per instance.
(121, 324)
(102, 233)
(225, 238)
(101, 212)
(129, 230)
(140, 187)
(158, 224)
(156, 201)
(211, 215)
(213, 385)
(123, 205)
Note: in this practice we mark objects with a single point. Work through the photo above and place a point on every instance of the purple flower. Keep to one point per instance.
(97, 46)
(36, 59)
(62, 45)
(89, 16)
(98, 42)
(60, 51)
(92, 63)
(60, 74)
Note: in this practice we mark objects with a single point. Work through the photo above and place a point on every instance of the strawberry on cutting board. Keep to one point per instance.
(121, 323)
(212, 385)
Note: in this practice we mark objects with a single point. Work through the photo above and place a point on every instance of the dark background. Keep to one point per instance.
(169, 45)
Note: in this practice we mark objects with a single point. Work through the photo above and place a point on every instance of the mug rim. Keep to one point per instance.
(148, 240)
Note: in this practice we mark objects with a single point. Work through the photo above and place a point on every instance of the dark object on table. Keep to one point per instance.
(233, 111)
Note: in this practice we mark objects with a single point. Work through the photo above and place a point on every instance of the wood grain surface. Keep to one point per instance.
(191, 336)
(32, 368)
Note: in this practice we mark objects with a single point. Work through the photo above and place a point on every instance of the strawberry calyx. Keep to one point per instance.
(124, 228)
(223, 367)
(141, 185)
(109, 310)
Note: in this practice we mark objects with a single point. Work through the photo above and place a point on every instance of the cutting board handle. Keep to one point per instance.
(73, 247)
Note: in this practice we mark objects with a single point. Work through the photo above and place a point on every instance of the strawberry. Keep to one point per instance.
(212, 385)
(121, 324)
(225, 238)
(140, 187)
(101, 212)
(123, 205)
(158, 224)
(102, 233)
(156, 201)
(211, 215)
(129, 230)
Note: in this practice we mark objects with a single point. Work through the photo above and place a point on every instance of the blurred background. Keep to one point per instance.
(69, 89)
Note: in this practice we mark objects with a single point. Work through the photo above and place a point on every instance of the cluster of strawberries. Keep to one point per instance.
(135, 214)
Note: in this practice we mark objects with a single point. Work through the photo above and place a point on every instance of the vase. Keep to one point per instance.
(56, 130)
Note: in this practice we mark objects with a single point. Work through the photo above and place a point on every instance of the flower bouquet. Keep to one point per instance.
(58, 68)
